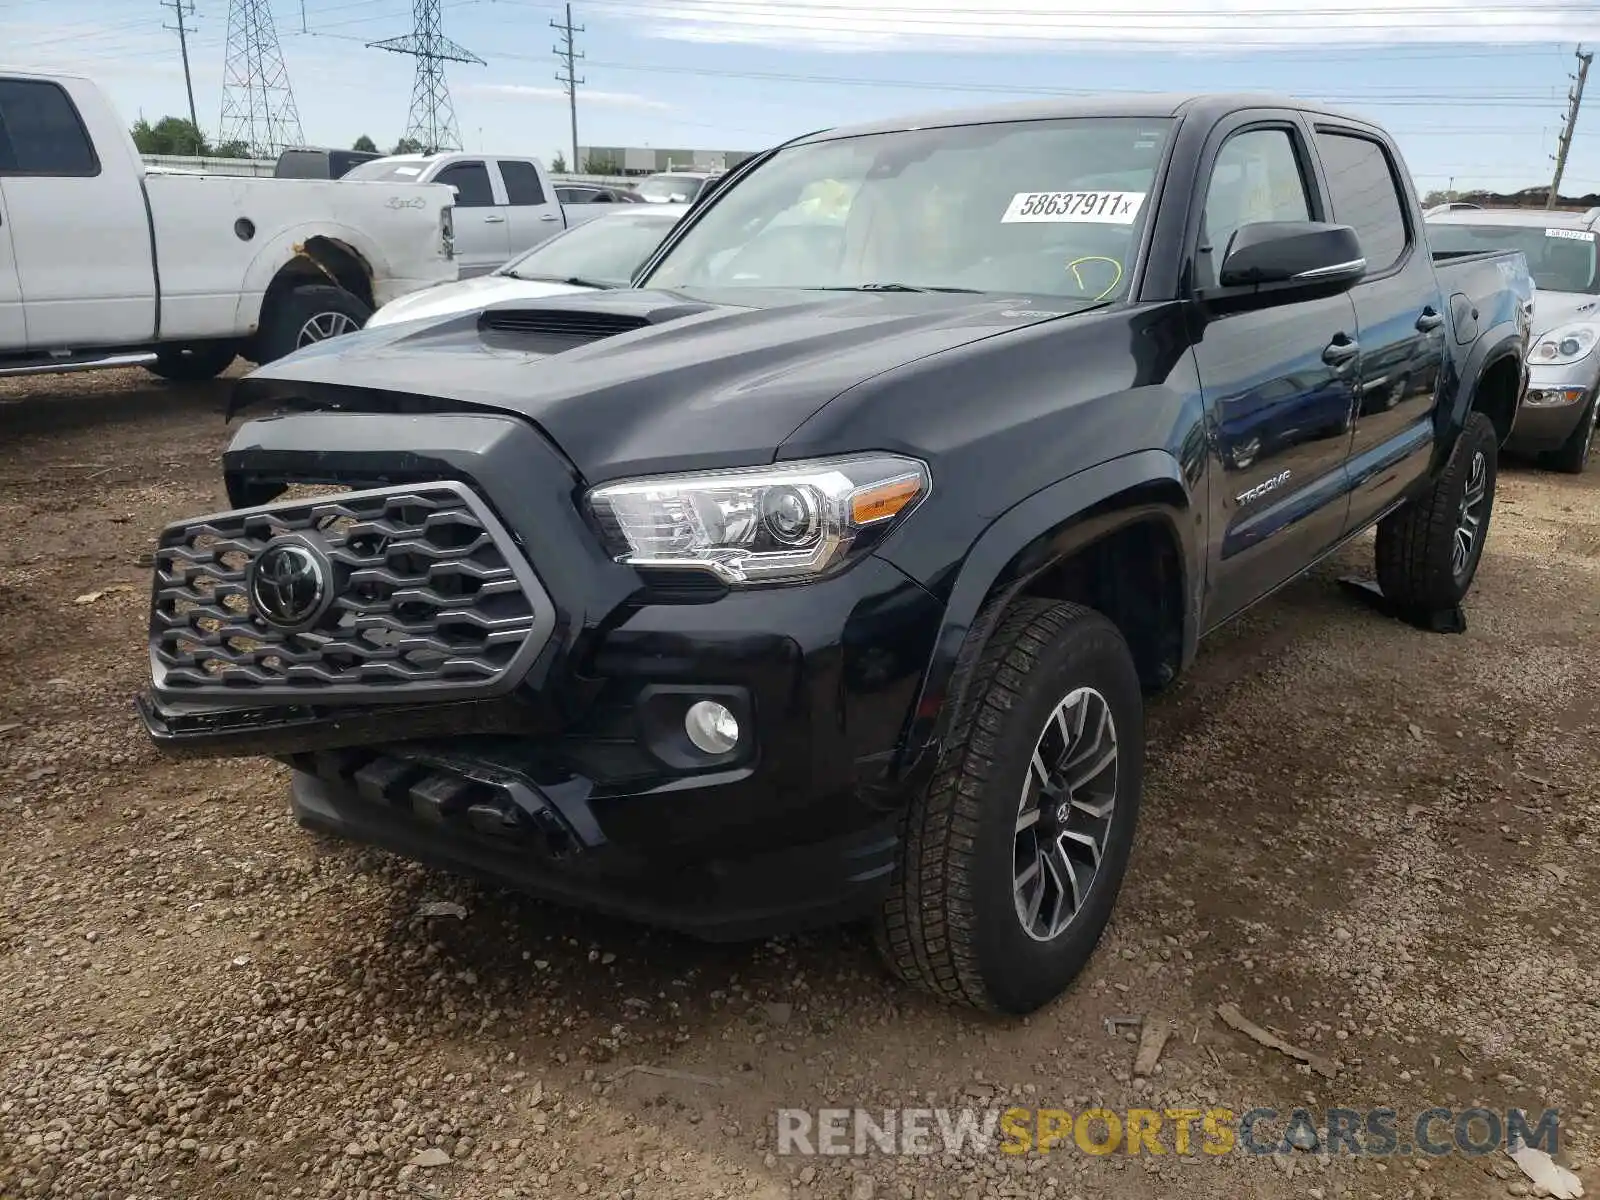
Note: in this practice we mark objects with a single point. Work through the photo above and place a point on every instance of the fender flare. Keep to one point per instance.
(1494, 345)
(289, 245)
(1032, 536)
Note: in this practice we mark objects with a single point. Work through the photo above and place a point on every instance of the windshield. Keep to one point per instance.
(1051, 208)
(605, 250)
(386, 169)
(1560, 260)
(681, 188)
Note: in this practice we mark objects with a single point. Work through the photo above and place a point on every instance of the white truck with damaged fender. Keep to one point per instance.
(103, 264)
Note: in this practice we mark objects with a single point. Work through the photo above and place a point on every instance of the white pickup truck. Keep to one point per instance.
(103, 264)
(506, 204)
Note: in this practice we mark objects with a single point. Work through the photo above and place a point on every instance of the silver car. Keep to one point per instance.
(1559, 415)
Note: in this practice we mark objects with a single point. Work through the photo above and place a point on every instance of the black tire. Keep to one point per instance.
(288, 315)
(1416, 546)
(192, 364)
(950, 924)
(1573, 456)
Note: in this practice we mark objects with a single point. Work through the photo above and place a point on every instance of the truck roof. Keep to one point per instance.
(1547, 218)
(1205, 105)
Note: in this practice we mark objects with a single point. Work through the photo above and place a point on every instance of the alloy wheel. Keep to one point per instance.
(1469, 523)
(1064, 815)
(324, 326)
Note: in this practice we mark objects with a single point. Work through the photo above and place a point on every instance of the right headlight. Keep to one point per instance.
(1565, 345)
(776, 524)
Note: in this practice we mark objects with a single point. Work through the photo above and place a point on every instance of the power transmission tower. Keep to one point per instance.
(569, 78)
(432, 122)
(1574, 99)
(182, 11)
(257, 102)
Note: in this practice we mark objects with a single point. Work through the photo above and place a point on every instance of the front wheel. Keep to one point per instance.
(1429, 550)
(1573, 456)
(1013, 857)
(306, 315)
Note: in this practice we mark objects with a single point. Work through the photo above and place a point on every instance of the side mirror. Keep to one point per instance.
(1292, 260)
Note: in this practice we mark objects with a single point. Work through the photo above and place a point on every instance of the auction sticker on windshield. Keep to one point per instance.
(1576, 235)
(1105, 208)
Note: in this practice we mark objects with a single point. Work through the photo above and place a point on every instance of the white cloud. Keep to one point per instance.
(1207, 25)
(586, 96)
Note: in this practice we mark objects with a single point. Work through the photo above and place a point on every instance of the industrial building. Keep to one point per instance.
(642, 160)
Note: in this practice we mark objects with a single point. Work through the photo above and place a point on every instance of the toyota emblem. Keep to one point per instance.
(288, 585)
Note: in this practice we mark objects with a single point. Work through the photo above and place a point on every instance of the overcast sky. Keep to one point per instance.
(1473, 90)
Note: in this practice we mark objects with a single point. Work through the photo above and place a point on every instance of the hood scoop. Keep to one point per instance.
(552, 330)
(575, 328)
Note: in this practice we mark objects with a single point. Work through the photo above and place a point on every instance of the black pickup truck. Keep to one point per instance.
(823, 573)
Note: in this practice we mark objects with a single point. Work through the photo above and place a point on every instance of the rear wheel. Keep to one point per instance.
(1013, 858)
(1574, 454)
(191, 364)
(306, 315)
(1428, 551)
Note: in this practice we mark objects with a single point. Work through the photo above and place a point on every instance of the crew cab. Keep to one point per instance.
(103, 263)
(505, 204)
(824, 572)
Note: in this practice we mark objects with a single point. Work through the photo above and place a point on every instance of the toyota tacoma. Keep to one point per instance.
(823, 572)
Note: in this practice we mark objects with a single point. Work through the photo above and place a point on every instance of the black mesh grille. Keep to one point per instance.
(427, 594)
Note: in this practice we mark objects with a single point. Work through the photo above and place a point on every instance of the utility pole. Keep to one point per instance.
(182, 30)
(1574, 98)
(569, 79)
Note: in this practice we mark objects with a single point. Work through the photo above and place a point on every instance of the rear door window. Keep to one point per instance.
(522, 182)
(1365, 193)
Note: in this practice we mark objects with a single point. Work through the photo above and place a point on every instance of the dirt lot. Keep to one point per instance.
(1379, 843)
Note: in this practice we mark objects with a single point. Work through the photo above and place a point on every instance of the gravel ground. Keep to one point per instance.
(1377, 842)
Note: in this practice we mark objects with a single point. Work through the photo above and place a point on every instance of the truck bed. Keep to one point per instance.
(1484, 288)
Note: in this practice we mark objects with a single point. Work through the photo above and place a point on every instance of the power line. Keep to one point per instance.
(182, 10)
(1127, 12)
(1500, 99)
(569, 80)
(1574, 99)
(258, 106)
(431, 124)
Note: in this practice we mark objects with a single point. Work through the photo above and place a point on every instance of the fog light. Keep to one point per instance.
(711, 727)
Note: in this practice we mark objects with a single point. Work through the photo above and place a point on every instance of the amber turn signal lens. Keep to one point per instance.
(883, 500)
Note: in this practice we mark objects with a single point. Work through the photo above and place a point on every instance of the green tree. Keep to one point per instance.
(558, 163)
(600, 164)
(407, 146)
(365, 143)
(169, 135)
(231, 150)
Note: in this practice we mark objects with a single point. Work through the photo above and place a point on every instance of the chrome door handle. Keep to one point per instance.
(548, 217)
(1429, 320)
(494, 219)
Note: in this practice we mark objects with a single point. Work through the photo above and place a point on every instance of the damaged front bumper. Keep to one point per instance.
(538, 741)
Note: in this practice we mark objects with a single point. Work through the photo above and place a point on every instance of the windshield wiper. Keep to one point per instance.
(569, 280)
(897, 287)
